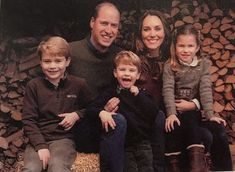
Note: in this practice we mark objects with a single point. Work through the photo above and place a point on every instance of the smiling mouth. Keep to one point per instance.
(184, 55)
(152, 41)
(106, 37)
(126, 79)
(52, 72)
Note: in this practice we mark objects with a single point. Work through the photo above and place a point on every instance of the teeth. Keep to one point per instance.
(107, 37)
(152, 41)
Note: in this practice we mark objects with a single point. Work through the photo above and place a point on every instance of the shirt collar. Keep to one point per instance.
(60, 84)
(193, 63)
(119, 89)
(96, 52)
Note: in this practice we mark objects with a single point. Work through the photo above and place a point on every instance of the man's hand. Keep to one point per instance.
(218, 120)
(69, 120)
(184, 105)
(107, 120)
(169, 126)
(134, 90)
(112, 105)
(44, 156)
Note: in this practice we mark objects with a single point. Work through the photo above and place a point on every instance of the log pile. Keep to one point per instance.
(19, 63)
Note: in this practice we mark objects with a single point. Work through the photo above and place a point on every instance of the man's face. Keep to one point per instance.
(104, 28)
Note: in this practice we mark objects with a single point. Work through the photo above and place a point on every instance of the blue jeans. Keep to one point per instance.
(91, 138)
(158, 143)
(112, 146)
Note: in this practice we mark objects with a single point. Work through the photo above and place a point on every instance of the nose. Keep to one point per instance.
(108, 29)
(52, 65)
(152, 33)
(127, 73)
(185, 49)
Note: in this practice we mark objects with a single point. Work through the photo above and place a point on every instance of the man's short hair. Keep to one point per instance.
(100, 5)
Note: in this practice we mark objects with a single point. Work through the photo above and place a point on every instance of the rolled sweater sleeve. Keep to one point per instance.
(30, 118)
(205, 89)
(168, 89)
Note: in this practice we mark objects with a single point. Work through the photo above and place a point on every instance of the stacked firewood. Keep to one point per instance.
(19, 63)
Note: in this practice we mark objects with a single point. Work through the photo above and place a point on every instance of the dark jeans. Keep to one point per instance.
(158, 143)
(186, 134)
(91, 138)
(87, 135)
(112, 146)
(220, 152)
(138, 157)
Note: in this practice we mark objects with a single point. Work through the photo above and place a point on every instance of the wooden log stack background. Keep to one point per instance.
(19, 63)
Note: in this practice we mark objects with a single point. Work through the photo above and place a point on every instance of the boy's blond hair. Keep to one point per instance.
(127, 57)
(54, 46)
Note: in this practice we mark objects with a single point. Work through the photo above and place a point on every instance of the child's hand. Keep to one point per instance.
(218, 120)
(112, 105)
(107, 120)
(170, 122)
(134, 90)
(69, 120)
(184, 105)
(44, 156)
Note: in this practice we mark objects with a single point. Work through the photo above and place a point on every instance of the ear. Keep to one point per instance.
(92, 22)
(40, 62)
(138, 75)
(115, 73)
(68, 61)
(198, 47)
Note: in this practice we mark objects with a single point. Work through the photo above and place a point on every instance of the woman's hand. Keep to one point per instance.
(218, 120)
(169, 125)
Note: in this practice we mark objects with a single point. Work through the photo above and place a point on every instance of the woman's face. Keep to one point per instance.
(152, 32)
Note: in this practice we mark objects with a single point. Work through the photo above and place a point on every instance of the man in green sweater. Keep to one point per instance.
(92, 59)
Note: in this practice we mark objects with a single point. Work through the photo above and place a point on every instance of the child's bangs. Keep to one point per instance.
(54, 50)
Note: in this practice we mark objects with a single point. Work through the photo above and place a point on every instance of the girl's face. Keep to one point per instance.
(152, 32)
(186, 48)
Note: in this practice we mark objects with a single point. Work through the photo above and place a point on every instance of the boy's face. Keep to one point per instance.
(54, 67)
(126, 75)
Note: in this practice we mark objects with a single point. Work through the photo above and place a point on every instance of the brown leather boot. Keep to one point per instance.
(197, 159)
(174, 163)
(209, 163)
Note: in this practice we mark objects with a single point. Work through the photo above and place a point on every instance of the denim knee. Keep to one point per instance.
(120, 121)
